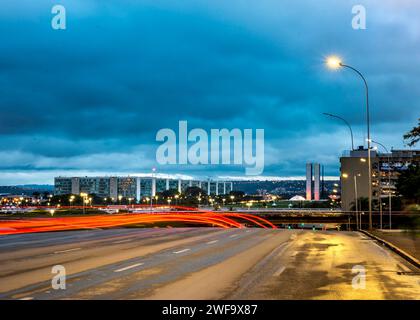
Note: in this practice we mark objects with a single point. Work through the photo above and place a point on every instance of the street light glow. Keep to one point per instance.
(333, 62)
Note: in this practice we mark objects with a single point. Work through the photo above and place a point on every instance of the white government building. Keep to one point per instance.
(134, 187)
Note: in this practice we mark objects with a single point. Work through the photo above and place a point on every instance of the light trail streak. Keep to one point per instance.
(189, 216)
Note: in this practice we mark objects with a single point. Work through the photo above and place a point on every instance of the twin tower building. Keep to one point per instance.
(313, 181)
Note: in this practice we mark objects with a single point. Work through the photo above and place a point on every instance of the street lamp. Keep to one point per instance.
(71, 200)
(334, 62)
(356, 199)
(389, 183)
(83, 195)
(345, 121)
(151, 189)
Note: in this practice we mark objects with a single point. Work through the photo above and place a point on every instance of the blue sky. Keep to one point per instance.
(90, 99)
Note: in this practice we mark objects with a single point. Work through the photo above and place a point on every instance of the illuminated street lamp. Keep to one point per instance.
(83, 195)
(334, 62)
(71, 200)
(389, 184)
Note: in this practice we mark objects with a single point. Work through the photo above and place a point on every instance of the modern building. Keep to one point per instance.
(309, 181)
(134, 186)
(317, 181)
(386, 167)
(313, 181)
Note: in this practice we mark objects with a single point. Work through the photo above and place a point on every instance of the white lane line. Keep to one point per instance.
(211, 242)
(248, 231)
(279, 271)
(68, 250)
(181, 251)
(384, 251)
(233, 236)
(122, 241)
(129, 267)
(27, 298)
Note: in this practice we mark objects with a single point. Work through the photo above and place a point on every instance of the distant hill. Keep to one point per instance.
(284, 188)
(27, 189)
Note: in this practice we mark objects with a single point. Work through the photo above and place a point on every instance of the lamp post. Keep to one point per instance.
(389, 182)
(151, 189)
(345, 121)
(335, 63)
(83, 195)
(356, 201)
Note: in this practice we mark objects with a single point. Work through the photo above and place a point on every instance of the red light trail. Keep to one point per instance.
(187, 215)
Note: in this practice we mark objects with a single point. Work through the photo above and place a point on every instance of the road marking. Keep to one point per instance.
(122, 241)
(233, 236)
(279, 271)
(248, 231)
(181, 251)
(27, 298)
(68, 250)
(211, 242)
(294, 253)
(385, 252)
(129, 267)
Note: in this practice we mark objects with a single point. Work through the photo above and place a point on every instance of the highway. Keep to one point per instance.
(202, 263)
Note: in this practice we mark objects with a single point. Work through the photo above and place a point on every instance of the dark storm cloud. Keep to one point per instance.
(81, 98)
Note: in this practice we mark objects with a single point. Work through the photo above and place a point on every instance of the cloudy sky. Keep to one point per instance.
(90, 99)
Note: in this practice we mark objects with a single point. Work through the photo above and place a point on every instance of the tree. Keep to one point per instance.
(413, 136)
(408, 184)
(193, 192)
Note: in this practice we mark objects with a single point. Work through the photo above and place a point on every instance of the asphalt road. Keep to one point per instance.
(203, 263)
